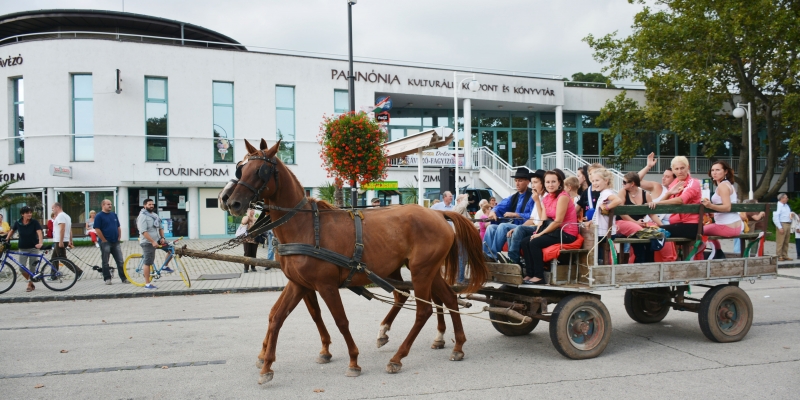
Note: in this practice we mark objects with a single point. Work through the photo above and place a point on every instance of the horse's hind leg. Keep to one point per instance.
(313, 308)
(422, 290)
(448, 297)
(291, 297)
(438, 341)
(330, 294)
(386, 324)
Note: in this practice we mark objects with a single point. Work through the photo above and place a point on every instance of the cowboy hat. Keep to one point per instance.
(539, 174)
(522, 173)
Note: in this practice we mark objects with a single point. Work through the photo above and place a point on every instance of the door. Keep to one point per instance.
(499, 141)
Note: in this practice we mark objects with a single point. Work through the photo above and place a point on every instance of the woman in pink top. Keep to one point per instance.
(683, 190)
(560, 211)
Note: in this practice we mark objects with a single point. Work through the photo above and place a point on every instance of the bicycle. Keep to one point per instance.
(134, 266)
(57, 279)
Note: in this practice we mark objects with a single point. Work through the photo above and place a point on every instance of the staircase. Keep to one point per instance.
(496, 172)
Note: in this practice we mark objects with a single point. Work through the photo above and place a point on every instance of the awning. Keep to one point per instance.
(427, 140)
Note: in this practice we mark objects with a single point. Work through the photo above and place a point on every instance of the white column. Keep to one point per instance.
(123, 212)
(193, 214)
(560, 137)
(419, 177)
(467, 134)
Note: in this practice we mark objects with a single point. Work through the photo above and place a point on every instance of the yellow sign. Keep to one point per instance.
(385, 185)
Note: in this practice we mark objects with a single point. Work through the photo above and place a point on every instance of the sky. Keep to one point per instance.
(532, 36)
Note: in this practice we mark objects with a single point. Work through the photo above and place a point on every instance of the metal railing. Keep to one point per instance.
(484, 158)
(572, 163)
(697, 164)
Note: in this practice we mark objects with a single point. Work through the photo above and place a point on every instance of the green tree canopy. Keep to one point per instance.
(594, 77)
(697, 59)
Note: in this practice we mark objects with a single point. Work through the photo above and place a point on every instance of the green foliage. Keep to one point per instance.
(8, 200)
(327, 192)
(697, 58)
(595, 77)
(410, 194)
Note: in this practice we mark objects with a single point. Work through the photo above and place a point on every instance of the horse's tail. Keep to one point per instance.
(467, 236)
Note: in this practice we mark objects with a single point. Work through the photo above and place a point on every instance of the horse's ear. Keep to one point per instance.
(274, 149)
(249, 147)
(264, 145)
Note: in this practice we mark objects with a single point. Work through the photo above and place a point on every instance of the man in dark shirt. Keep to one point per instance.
(106, 224)
(30, 240)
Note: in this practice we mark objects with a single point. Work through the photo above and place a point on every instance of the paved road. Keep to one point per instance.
(210, 344)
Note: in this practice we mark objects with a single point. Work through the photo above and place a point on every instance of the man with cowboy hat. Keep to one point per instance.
(529, 227)
(516, 207)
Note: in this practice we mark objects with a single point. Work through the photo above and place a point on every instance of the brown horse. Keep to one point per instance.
(411, 235)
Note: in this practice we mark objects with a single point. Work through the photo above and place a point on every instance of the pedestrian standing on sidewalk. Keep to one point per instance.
(249, 244)
(90, 228)
(106, 225)
(782, 218)
(30, 240)
(4, 227)
(151, 237)
(796, 230)
(62, 238)
(50, 224)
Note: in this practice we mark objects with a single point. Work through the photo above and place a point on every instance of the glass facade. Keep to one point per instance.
(156, 121)
(341, 101)
(78, 204)
(223, 122)
(284, 117)
(82, 118)
(19, 121)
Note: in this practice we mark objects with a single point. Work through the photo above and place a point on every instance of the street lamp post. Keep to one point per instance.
(351, 79)
(740, 112)
(473, 87)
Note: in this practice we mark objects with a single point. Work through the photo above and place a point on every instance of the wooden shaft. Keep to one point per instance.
(509, 313)
(261, 262)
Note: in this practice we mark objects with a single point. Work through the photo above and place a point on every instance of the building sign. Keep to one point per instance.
(58, 170)
(11, 61)
(432, 158)
(192, 171)
(12, 177)
(373, 77)
(382, 117)
(384, 185)
(435, 178)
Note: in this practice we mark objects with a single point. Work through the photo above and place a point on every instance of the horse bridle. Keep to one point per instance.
(265, 172)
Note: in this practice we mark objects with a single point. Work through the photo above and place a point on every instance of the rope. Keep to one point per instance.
(473, 315)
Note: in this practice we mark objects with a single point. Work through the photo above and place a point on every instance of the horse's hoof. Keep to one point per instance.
(353, 372)
(437, 344)
(382, 341)
(260, 364)
(264, 378)
(393, 368)
(456, 356)
(323, 358)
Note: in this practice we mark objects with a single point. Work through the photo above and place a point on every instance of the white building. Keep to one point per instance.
(136, 110)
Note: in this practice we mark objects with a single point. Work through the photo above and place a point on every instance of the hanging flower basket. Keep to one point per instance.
(352, 149)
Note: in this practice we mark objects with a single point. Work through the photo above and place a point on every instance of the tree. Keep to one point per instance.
(352, 149)
(8, 200)
(595, 77)
(697, 58)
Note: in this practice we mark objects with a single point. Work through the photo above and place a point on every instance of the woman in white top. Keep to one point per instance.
(726, 223)
(601, 181)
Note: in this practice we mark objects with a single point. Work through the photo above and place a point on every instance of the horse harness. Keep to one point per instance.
(267, 171)
(354, 263)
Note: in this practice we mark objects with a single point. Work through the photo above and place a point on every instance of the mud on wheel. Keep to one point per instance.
(580, 327)
(726, 314)
(647, 306)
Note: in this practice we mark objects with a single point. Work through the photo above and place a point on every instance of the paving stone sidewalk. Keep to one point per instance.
(92, 286)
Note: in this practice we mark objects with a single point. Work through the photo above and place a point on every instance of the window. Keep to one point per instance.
(341, 101)
(284, 116)
(78, 205)
(223, 122)
(82, 118)
(19, 121)
(156, 123)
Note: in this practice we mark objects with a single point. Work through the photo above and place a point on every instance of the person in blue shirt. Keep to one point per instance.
(106, 225)
(516, 207)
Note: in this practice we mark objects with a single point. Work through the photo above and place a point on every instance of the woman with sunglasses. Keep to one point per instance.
(561, 226)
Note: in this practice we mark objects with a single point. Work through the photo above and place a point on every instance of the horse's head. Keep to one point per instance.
(257, 179)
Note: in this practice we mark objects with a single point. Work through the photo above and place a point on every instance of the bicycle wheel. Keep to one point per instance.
(8, 275)
(183, 271)
(61, 278)
(133, 268)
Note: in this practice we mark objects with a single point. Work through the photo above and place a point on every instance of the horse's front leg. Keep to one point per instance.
(330, 294)
(312, 304)
(262, 354)
(422, 291)
(448, 297)
(291, 297)
(438, 341)
(386, 324)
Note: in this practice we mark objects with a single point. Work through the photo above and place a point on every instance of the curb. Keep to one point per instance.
(794, 264)
(139, 294)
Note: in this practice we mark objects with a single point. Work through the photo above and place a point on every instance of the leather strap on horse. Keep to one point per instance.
(354, 264)
(257, 230)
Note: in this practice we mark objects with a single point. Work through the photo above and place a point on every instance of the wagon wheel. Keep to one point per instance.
(726, 314)
(512, 330)
(646, 309)
(580, 327)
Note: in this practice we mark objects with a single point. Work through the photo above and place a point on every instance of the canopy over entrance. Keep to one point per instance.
(417, 143)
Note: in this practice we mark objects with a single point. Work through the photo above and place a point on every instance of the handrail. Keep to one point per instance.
(485, 158)
(572, 163)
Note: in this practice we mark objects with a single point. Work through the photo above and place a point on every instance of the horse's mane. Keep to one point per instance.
(323, 205)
